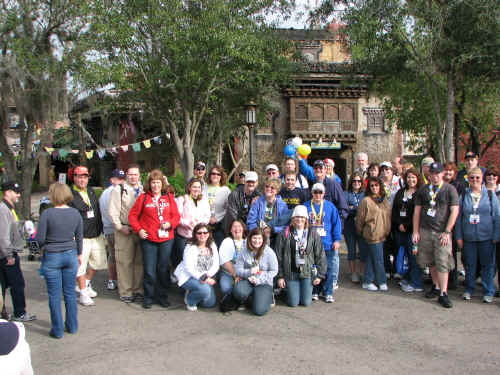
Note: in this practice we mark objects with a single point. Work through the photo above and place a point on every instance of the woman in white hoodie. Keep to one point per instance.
(196, 273)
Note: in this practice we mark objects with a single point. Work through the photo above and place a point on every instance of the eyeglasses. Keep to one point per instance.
(215, 174)
(474, 177)
(374, 185)
(356, 181)
(317, 192)
(201, 233)
(200, 168)
(82, 175)
(270, 187)
(491, 175)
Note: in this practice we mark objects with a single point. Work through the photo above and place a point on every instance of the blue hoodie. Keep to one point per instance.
(488, 228)
(331, 223)
(258, 211)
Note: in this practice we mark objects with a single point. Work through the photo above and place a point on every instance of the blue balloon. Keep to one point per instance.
(290, 150)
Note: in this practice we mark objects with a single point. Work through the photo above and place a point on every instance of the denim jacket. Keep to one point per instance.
(489, 218)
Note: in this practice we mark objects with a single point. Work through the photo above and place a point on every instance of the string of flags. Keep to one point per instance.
(101, 151)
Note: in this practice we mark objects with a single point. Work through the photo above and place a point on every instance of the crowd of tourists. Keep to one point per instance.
(278, 234)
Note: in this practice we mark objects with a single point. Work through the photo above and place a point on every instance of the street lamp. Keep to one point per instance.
(250, 122)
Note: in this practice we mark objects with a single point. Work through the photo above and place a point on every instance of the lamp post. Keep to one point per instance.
(250, 122)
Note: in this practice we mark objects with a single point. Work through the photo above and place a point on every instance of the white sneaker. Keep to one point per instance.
(85, 299)
(91, 292)
(77, 288)
(371, 287)
(466, 296)
(329, 299)
(407, 288)
(335, 285)
(191, 308)
(111, 285)
(383, 288)
(315, 297)
(355, 278)
(273, 302)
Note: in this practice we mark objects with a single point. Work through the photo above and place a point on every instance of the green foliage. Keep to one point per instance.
(178, 183)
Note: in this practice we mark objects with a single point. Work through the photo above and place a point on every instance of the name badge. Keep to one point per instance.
(431, 212)
(321, 231)
(402, 213)
(90, 214)
(474, 219)
(162, 233)
(300, 261)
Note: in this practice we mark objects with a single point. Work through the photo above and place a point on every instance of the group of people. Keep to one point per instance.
(253, 244)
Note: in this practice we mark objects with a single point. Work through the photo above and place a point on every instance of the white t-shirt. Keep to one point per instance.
(229, 249)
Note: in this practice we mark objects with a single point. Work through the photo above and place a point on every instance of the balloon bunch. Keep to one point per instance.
(294, 146)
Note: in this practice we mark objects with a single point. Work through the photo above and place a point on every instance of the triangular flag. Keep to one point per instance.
(101, 153)
(75, 151)
(89, 154)
(124, 148)
(147, 143)
(136, 147)
(49, 149)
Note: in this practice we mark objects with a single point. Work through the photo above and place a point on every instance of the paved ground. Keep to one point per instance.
(361, 333)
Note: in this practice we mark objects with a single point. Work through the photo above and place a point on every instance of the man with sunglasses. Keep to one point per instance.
(436, 211)
(94, 251)
(471, 161)
(199, 171)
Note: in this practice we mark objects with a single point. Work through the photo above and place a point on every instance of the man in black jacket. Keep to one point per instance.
(93, 252)
(240, 200)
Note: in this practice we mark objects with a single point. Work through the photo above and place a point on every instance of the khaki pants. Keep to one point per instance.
(129, 266)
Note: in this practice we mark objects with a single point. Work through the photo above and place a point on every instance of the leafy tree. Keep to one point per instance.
(41, 43)
(421, 52)
(184, 59)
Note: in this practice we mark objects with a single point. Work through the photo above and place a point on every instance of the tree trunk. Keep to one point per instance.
(187, 162)
(449, 129)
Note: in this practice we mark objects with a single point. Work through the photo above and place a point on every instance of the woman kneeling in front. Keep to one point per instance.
(196, 272)
(301, 259)
(256, 267)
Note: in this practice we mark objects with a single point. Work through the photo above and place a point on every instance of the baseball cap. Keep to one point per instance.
(330, 162)
(251, 176)
(271, 166)
(300, 211)
(80, 170)
(386, 164)
(200, 165)
(427, 161)
(9, 332)
(318, 186)
(319, 163)
(118, 173)
(11, 185)
(436, 167)
(470, 154)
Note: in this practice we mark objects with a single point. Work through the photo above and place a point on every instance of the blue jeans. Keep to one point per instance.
(363, 250)
(299, 291)
(156, 258)
(414, 275)
(332, 274)
(226, 283)
(352, 240)
(486, 251)
(262, 296)
(59, 270)
(199, 293)
(374, 269)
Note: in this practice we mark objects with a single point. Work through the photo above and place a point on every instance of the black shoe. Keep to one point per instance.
(444, 301)
(138, 298)
(127, 299)
(147, 305)
(164, 303)
(433, 292)
(497, 293)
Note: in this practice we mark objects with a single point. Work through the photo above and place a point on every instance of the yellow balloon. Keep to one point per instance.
(304, 150)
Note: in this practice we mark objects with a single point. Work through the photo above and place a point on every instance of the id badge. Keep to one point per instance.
(300, 260)
(321, 231)
(162, 233)
(402, 213)
(431, 212)
(90, 214)
(474, 219)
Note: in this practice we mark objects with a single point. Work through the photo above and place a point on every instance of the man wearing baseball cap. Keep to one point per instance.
(93, 252)
(241, 199)
(272, 171)
(117, 178)
(424, 168)
(436, 210)
(11, 242)
(471, 161)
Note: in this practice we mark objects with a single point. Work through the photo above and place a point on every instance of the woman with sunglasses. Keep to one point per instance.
(196, 272)
(491, 178)
(373, 223)
(477, 229)
(154, 217)
(354, 195)
(256, 267)
(217, 194)
(402, 224)
(193, 209)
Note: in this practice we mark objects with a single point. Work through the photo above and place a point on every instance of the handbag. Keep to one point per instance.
(402, 261)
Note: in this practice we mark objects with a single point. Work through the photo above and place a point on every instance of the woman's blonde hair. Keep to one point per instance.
(60, 194)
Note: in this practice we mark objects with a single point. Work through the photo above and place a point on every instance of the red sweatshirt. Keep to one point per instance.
(153, 215)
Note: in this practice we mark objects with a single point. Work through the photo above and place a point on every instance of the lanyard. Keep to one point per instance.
(433, 194)
(476, 198)
(356, 197)
(15, 214)
(269, 211)
(317, 218)
(300, 242)
(212, 192)
(159, 207)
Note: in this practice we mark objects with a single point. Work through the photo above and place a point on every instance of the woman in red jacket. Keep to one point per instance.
(154, 217)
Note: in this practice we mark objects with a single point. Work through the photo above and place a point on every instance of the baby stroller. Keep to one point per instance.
(31, 244)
